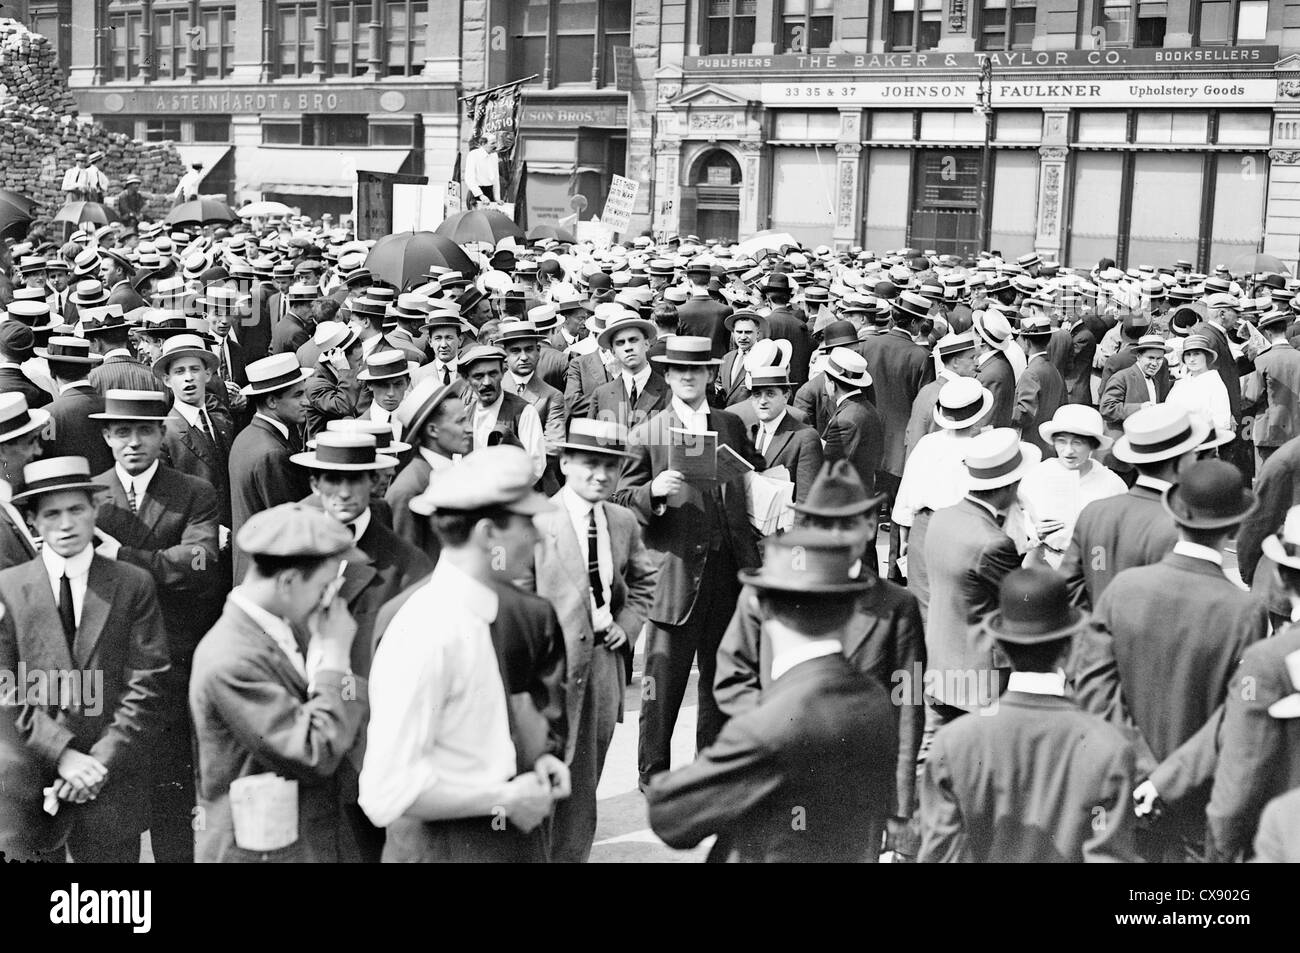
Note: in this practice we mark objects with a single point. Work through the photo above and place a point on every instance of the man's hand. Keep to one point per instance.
(615, 638)
(85, 774)
(555, 773)
(902, 837)
(332, 631)
(1144, 798)
(667, 484)
(527, 801)
(1047, 527)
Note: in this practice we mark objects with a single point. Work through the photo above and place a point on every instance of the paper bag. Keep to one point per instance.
(264, 810)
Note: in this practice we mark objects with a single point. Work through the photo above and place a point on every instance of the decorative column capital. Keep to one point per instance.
(848, 150)
(1283, 157)
(1053, 152)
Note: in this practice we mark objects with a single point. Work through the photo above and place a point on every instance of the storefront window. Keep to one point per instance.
(297, 39)
(575, 37)
(892, 124)
(1098, 126)
(349, 32)
(1171, 127)
(212, 130)
(1166, 217)
(1238, 128)
(1117, 18)
(730, 26)
(1240, 183)
(888, 186)
(1094, 220)
(158, 130)
(216, 42)
(392, 134)
(334, 130)
(617, 28)
(915, 24)
(281, 133)
(803, 193)
(52, 21)
(124, 42)
(1007, 24)
(1013, 221)
(171, 42)
(806, 25)
(123, 127)
(1225, 22)
(406, 23)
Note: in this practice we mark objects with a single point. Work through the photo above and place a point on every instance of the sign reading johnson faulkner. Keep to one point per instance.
(1012, 93)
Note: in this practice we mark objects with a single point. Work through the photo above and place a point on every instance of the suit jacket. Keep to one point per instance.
(997, 375)
(552, 365)
(174, 539)
(921, 421)
(1278, 840)
(796, 447)
(884, 640)
(821, 739)
(1112, 535)
(680, 534)
(1228, 367)
(330, 398)
(609, 401)
(730, 391)
(1077, 371)
(855, 433)
(290, 333)
(1121, 360)
(190, 451)
(14, 381)
(72, 433)
(1039, 392)
(784, 324)
(900, 369)
(1038, 781)
(814, 403)
(1126, 392)
(253, 714)
(121, 638)
(1272, 394)
(550, 407)
(127, 297)
(15, 547)
(561, 578)
(124, 373)
(966, 555)
(581, 378)
(1277, 485)
(1259, 754)
(261, 476)
(703, 317)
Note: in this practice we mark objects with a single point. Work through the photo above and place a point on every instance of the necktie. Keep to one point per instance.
(67, 615)
(593, 560)
(632, 395)
(131, 499)
(763, 437)
(206, 425)
(446, 375)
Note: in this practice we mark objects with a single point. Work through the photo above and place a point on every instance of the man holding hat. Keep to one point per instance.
(821, 743)
(435, 420)
(272, 686)
(1040, 390)
(335, 390)
(854, 431)
(1271, 392)
(20, 444)
(588, 538)
(450, 748)
(638, 392)
(70, 609)
(1167, 640)
(261, 472)
(1039, 781)
(295, 327)
(165, 522)
(497, 416)
(700, 531)
(17, 346)
(956, 354)
(72, 433)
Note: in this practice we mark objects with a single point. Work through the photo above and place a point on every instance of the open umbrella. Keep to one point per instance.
(201, 212)
(80, 213)
(15, 214)
(550, 231)
(405, 256)
(760, 242)
(479, 225)
(264, 210)
(1254, 264)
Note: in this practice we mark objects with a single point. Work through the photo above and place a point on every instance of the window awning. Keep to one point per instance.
(208, 155)
(310, 171)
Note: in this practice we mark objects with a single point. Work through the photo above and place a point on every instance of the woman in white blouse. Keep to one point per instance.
(1200, 390)
(1053, 493)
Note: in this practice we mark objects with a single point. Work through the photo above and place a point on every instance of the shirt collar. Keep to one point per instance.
(639, 378)
(771, 425)
(785, 661)
(64, 388)
(73, 567)
(471, 594)
(685, 412)
(188, 411)
(575, 504)
(481, 409)
(1196, 551)
(997, 515)
(1037, 683)
(278, 425)
(436, 460)
(279, 630)
(520, 381)
(1152, 483)
(118, 352)
(360, 524)
(17, 367)
(846, 395)
(140, 481)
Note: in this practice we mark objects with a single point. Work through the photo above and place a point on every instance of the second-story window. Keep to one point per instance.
(915, 24)
(1230, 22)
(405, 24)
(171, 42)
(124, 43)
(1133, 22)
(297, 38)
(573, 39)
(349, 33)
(806, 25)
(217, 41)
(730, 26)
(1007, 24)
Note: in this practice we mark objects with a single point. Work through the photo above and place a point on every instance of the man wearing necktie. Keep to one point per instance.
(638, 391)
(20, 444)
(387, 377)
(166, 523)
(96, 619)
(444, 330)
(521, 341)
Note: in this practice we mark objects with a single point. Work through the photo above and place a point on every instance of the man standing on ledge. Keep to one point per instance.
(483, 172)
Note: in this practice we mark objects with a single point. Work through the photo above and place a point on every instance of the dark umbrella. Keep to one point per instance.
(201, 212)
(15, 214)
(550, 231)
(81, 213)
(406, 255)
(479, 225)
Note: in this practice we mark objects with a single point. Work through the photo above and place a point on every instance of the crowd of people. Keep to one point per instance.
(305, 561)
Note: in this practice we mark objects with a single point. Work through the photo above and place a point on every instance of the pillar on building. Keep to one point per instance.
(320, 62)
(1050, 230)
(376, 28)
(148, 68)
(751, 196)
(87, 66)
(254, 42)
(441, 145)
(246, 137)
(666, 215)
(848, 179)
(1282, 217)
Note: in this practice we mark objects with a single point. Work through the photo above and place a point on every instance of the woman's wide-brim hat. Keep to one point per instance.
(1078, 419)
(1199, 342)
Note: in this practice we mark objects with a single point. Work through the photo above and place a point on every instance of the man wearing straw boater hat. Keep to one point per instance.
(435, 421)
(261, 472)
(638, 391)
(1167, 640)
(590, 539)
(72, 433)
(1040, 780)
(20, 444)
(386, 378)
(1144, 383)
(698, 527)
(780, 439)
(522, 343)
(955, 356)
(1041, 388)
(994, 369)
(260, 696)
(822, 742)
(854, 430)
(72, 610)
(294, 328)
(165, 522)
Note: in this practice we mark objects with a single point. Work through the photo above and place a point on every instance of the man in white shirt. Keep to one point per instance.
(444, 329)
(483, 172)
(72, 186)
(440, 770)
(498, 417)
(188, 186)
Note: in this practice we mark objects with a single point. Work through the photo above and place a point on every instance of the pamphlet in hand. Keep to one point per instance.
(731, 464)
(694, 455)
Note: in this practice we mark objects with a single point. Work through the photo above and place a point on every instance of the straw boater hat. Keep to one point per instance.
(383, 434)
(344, 452)
(623, 323)
(951, 344)
(962, 403)
(1160, 433)
(122, 404)
(596, 436)
(1152, 342)
(35, 314)
(1210, 494)
(68, 350)
(1033, 608)
(88, 294)
(772, 376)
(183, 345)
(55, 475)
(384, 366)
(331, 334)
(17, 419)
(274, 373)
(811, 561)
(848, 367)
(1078, 419)
(993, 329)
(686, 350)
(997, 458)
(517, 330)
(491, 476)
(420, 402)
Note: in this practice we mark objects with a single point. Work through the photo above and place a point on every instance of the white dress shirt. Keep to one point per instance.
(118, 352)
(140, 482)
(1206, 395)
(1051, 492)
(1152, 483)
(381, 416)
(696, 421)
(438, 705)
(198, 418)
(482, 170)
(278, 425)
(637, 380)
(530, 431)
(76, 568)
(359, 525)
(934, 476)
(579, 511)
(437, 462)
(519, 384)
(767, 430)
(64, 388)
(782, 662)
(279, 631)
(1037, 683)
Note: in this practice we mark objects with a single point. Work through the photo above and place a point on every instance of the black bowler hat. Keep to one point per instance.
(839, 334)
(1211, 495)
(1033, 608)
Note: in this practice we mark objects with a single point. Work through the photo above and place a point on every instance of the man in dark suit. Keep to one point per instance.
(119, 281)
(1277, 487)
(699, 530)
(1144, 383)
(1040, 780)
(261, 474)
(20, 444)
(1160, 658)
(746, 327)
(1041, 389)
(17, 344)
(812, 400)
(72, 433)
(821, 743)
(700, 315)
(638, 391)
(1132, 329)
(779, 439)
(436, 421)
(583, 376)
(1271, 392)
(294, 328)
(164, 522)
(257, 706)
(854, 431)
(334, 390)
(1121, 532)
(993, 369)
(521, 342)
(107, 331)
(783, 323)
(552, 361)
(884, 639)
(75, 611)
(1078, 363)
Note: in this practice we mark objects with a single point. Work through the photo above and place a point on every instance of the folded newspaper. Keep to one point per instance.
(769, 498)
(264, 810)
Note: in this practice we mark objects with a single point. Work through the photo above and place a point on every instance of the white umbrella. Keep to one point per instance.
(264, 210)
(764, 241)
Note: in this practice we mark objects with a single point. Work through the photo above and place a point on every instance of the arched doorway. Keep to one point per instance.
(715, 187)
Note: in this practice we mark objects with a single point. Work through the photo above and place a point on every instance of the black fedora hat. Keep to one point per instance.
(837, 493)
(1033, 608)
(812, 561)
(839, 334)
(1210, 495)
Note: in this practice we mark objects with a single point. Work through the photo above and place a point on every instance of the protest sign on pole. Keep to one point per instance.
(618, 206)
